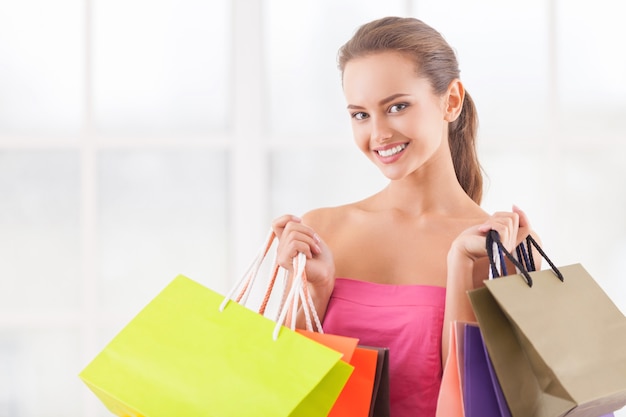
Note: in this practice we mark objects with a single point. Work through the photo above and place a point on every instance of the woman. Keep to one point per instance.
(394, 268)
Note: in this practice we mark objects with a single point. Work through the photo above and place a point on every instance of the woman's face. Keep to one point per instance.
(397, 120)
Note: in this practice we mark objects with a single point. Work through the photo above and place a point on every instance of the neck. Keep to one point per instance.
(433, 188)
(420, 198)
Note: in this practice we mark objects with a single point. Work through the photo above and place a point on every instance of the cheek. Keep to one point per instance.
(362, 144)
(425, 127)
(360, 135)
(408, 127)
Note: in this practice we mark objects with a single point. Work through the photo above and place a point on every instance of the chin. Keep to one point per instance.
(392, 175)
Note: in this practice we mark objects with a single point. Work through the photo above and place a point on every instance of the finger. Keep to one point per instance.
(279, 223)
(303, 234)
(295, 247)
(297, 238)
(512, 224)
(505, 218)
(295, 229)
(523, 218)
(506, 224)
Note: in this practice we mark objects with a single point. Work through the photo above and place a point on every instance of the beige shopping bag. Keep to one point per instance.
(558, 347)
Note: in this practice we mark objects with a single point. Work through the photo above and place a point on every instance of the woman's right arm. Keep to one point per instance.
(295, 236)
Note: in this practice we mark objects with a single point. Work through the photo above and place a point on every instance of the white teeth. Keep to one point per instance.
(391, 151)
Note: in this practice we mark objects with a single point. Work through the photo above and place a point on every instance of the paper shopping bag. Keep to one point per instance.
(356, 396)
(450, 401)
(558, 347)
(468, 388)
(355, 399)
(380, 391)
(482, 394)
(182, 356)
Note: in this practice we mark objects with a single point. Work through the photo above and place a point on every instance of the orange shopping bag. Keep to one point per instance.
(355, 399)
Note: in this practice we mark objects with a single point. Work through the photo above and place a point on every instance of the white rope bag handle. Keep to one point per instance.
(298, 293)
(243, 288)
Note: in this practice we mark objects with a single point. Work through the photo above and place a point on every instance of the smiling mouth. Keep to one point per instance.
(385, 153)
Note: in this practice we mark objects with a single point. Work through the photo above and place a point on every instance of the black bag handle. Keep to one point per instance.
(526, 257)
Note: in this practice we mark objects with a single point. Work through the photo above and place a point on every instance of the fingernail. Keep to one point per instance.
(317, 238)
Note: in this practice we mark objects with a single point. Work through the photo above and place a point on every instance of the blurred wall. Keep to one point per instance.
(142, 139)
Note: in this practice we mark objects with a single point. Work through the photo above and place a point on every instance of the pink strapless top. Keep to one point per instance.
(407, 319)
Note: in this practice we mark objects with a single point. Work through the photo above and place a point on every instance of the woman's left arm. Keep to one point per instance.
(466, 264)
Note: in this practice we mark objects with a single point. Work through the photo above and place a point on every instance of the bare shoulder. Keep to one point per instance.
(329, 219)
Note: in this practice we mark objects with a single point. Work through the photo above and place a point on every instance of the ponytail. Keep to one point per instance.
(462, 140)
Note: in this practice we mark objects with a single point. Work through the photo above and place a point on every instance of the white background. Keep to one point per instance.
(140, 139)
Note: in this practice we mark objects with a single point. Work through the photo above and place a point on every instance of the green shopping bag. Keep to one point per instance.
(182, 356)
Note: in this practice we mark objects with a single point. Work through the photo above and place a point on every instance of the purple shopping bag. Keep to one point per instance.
(482, 395)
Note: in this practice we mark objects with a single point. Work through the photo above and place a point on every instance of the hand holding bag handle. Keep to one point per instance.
(297, 292)
(357, 397)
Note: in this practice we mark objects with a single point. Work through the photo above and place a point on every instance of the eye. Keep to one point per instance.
(398, 107)
(360, 115)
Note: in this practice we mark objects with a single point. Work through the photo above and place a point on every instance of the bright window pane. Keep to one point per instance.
(302, 42)
(162, 213)
(592, 192)
(40, 239)
(39, 373)
(592, 67)
(524, 178)
(310, 178)
(41, 66)
(161, 65)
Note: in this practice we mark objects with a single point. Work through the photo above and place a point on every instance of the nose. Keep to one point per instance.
(381, 131)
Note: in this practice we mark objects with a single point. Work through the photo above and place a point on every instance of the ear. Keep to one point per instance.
(454, 100)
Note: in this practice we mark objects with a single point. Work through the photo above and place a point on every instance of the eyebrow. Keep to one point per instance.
(382, 102)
